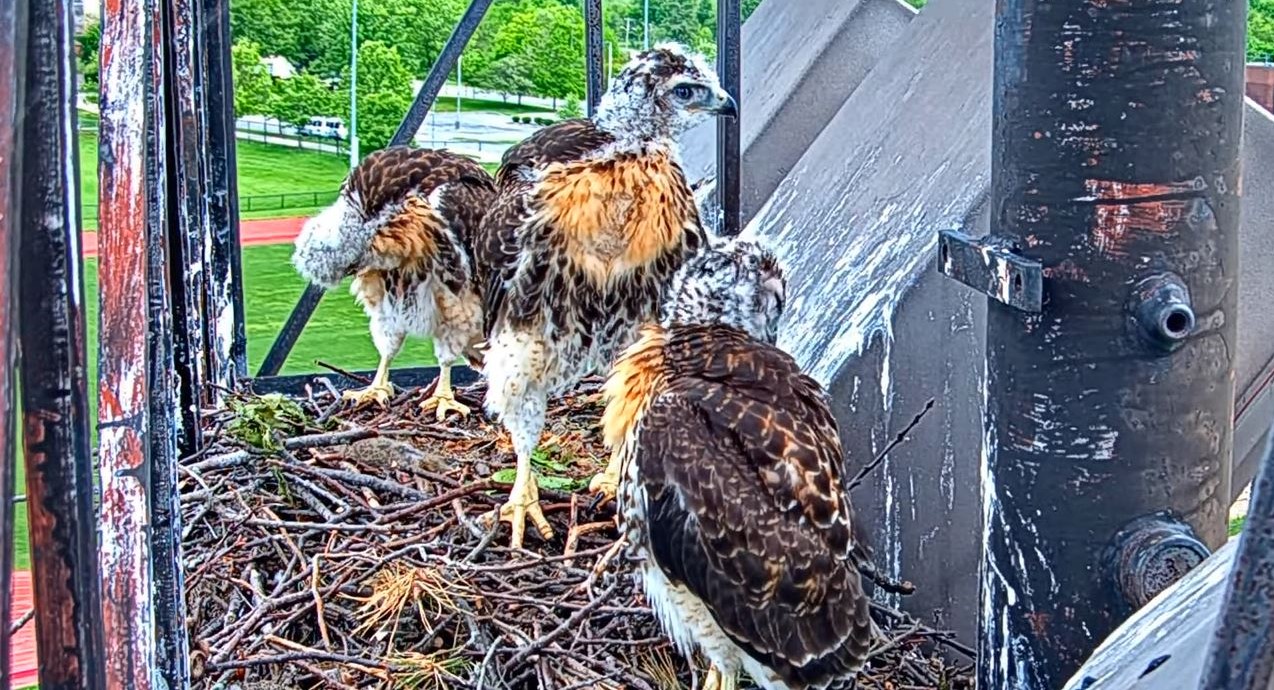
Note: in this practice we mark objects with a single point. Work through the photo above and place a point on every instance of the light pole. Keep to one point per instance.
(459, 86)
(645, 25)
(353, 86)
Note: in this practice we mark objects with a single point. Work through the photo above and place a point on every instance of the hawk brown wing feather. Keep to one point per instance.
(418, 236)
(498, 247)
(741, 463)
(389, 175)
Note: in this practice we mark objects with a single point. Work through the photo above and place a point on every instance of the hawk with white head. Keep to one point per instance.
(591, 219)
(731, 498)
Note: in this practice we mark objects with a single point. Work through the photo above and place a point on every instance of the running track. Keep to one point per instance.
(23, 661)
(273, 231)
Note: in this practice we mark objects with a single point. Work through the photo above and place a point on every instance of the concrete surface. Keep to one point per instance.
(856, 220)
(801, 60)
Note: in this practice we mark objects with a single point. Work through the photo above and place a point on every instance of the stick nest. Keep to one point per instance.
(330, 547)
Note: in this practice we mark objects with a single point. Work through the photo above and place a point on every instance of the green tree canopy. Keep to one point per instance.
(1260, 30)
(294, 101)
(384, 94)
(251, 79)
(275, 26)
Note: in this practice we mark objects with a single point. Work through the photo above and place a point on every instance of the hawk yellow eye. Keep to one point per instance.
(683, 92)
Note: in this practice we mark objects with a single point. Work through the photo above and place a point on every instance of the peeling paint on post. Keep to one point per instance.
(184, 80)
(172, 386)
(126, 200)
(225, 333)
(54, 389)
(13, 34)
(1115, 158)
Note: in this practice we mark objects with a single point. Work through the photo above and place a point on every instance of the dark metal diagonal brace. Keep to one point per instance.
(593, 63)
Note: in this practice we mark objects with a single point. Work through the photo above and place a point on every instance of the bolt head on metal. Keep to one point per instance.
(1160, 311)
(1151, 554)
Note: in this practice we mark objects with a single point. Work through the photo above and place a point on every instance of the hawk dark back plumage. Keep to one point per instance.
(403, 226)
(732, 499)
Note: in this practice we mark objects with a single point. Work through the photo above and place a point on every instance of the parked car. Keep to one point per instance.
(331, 127)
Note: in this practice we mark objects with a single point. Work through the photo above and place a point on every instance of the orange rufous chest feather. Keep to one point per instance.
(637, 377)
(412, 235)
(616, 215)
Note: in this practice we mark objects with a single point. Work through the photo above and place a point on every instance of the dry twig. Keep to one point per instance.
(325, 565)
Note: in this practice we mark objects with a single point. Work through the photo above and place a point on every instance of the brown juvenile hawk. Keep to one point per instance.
(731, 497)
(591, 219)
(403, 226)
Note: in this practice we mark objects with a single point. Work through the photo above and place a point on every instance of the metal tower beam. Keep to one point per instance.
(1110, 403)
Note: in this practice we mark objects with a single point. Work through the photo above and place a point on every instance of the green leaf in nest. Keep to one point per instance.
(547, 481)
(257, 418)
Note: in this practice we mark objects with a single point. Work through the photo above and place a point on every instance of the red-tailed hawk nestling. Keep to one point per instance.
(591, 219)
(403, 226)
(731, 498)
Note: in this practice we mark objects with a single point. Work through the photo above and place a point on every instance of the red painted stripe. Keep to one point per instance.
(24, 667)
(251, 232)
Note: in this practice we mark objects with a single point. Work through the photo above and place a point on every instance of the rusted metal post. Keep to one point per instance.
(175, 346)
(1116, 168)
(729, 137)
(185, 99)
(1242, 654)
(225, 332)
(13, 40)
(594, 70)
(130, 195)
(54, 388)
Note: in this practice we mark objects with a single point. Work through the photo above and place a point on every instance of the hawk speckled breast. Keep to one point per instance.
(403, 226)
(731, 499)
(591, 219)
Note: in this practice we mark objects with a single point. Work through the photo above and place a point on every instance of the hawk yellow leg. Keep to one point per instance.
(444, 399)
(607, 483)
(524, 504)
(716, 679)
(380, 390)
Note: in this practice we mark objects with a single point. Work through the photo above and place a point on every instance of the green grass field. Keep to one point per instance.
(264, 169)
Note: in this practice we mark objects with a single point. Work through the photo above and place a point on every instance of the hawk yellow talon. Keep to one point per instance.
(381, 393)
(716, 679)
(524, 503)
(444, 404)
(606, 484)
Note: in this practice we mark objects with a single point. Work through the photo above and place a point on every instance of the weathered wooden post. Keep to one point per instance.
(1110, 392)
(54, 387)
(132, 206)
(13, 40)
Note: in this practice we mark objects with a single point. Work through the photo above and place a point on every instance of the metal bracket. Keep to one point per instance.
(993, 267)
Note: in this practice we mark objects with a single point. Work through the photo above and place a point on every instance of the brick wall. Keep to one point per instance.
(1260, 85)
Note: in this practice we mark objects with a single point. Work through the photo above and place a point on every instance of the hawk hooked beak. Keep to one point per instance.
(724, 105)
